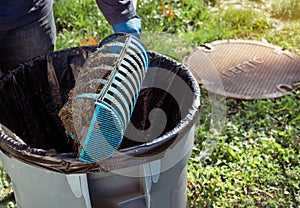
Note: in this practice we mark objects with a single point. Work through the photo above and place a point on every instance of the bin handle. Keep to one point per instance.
(151, 174)
(79, 186)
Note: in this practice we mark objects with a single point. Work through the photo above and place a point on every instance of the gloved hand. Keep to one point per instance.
(132, 26)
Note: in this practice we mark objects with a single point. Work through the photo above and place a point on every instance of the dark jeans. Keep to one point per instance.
(20, 45)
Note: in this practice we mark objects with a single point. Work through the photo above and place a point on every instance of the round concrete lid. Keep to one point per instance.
(244, 69)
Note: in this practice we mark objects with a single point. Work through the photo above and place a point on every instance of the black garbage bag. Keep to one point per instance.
(33, 93)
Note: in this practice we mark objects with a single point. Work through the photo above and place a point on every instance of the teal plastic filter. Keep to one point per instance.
(103, 138)
(116, 101)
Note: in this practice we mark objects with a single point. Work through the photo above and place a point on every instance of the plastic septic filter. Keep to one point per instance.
(127, 59)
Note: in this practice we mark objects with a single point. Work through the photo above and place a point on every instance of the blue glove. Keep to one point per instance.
(132, 26)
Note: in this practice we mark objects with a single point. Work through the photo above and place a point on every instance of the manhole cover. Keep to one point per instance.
(244, 69)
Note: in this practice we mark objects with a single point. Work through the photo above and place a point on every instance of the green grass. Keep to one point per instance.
(76, 21)
(254, 161)
(286, 10)
(5, 189)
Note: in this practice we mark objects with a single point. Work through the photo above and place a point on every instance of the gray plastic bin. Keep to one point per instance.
(149, 169)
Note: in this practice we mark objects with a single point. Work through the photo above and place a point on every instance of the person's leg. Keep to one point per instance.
(20, 45)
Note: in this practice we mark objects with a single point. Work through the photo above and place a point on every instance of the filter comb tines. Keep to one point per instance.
(123, 56)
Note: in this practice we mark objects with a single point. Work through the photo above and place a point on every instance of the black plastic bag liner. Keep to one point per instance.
(33, 93)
